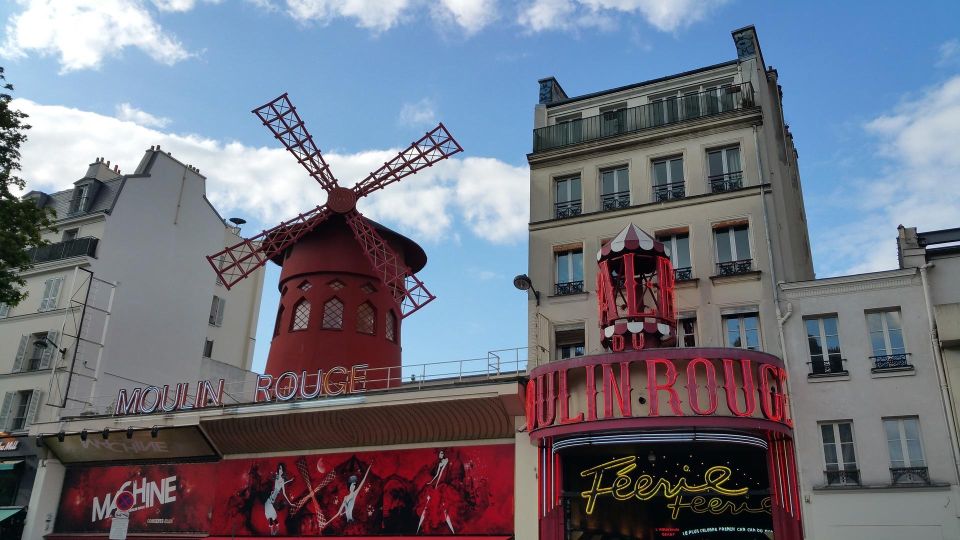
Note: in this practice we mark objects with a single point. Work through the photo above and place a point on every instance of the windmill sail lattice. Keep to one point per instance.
(281, 118)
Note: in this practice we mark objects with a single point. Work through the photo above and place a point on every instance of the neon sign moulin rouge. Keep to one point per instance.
(752, 387)
(287, 386)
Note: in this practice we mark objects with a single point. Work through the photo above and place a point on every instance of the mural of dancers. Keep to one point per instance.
(269, 509)
(439, 498)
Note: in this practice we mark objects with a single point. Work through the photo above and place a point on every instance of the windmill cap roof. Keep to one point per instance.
(632, 238)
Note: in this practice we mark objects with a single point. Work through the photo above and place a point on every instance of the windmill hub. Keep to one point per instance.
(341, 200)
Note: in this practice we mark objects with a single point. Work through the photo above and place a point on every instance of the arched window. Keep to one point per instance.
(301, 315)
(333, 314)
(391, 329)
(366, 318)
(276, 325)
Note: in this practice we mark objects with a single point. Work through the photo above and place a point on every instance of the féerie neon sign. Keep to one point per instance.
(622, 487)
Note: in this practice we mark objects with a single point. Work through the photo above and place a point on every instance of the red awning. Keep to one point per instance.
(131, 536)
(365, 537)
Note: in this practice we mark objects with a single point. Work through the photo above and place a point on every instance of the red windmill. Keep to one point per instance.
(346, 281)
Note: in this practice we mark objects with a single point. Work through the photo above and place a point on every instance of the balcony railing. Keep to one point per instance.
(665, 192)
(615, 201)
(569, 287)
(827, 366)
(891, 361)
(909, 475)
(683, 274)
(732, 268)
(850, 477)
(78, 247)
(720, 183)
(652, 115)
(566, 209)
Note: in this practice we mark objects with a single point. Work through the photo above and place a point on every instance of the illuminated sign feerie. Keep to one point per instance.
(287, 386)
(621, 487)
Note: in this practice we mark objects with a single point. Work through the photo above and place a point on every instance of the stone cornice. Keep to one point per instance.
(890, 279)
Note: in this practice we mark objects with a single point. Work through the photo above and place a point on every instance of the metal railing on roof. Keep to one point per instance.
(78, 247)
(662, 112)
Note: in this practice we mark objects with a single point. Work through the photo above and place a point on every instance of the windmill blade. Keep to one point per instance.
(406, 288)
(243, 258)
(435, 146)
(281, 118)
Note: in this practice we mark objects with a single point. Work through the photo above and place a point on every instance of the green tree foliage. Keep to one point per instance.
(21, 222)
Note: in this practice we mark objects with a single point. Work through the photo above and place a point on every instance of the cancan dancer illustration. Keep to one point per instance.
(350, 499)
(279, 486)
(438, 491)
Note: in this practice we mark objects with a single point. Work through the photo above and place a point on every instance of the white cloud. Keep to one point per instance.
(484, 195)
(421, 113)
(949, 52)
(129, 113)
(376, 15)
(664, 15)
(471, 15)
(917, 187)
(83, 32)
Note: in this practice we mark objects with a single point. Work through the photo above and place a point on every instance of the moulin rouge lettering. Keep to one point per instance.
(621, 487)
(287, 386)
(747, 387)
(145, 495)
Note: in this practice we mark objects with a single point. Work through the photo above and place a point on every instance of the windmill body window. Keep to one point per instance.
(391, 326)
(333, 314)
(839, 454)
(668, 179)
(824, 341)
(742, 330)
(569, 271)
(217, 308)
(366, 319)
(301, 315)
(277, 323)
(568, 197)
(615, 188)
(724, 172)
(679, 246)
(51, 294)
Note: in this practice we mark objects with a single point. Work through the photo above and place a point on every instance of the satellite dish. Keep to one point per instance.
(237, 221)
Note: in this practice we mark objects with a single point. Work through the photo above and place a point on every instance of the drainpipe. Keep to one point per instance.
(946, 397)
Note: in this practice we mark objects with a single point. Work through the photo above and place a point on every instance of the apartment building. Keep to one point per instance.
(876, 432)
(122, 296)
(701, 159)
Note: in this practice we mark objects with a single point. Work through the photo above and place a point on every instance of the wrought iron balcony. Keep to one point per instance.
(725, 182)
(664, 112)
(567, 209)
(850, 477)
(569, 287)
(909, 475)
(891, 361)
(615, 201)
(78, 247)
(683, 274)
(732, 268)
(665, 192)
(827, 366)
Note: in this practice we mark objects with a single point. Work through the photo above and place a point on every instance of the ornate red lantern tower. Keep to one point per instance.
(347, 282)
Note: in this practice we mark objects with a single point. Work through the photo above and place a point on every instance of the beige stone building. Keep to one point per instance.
(703, 160)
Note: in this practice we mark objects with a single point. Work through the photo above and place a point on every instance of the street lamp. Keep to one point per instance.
(523, 283)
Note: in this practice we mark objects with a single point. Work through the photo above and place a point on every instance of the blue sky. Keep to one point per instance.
(871, 92)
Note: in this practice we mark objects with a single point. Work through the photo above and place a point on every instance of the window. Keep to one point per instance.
(906, 450)
(569, 130)
(568, 203)
(720, 98)
(679, 246)
(217, 308)
(570, 341)
(305, 286)
(80, 198)
(301, 315)
(724, 170)
(366, 319)
(839, 454)
(886, 338)
(742, 330)
(691, 103)
(733, 249)
(668, 179)
(569, 269)
(333, 314)
(824, 342)
(336, 284)
(51, 294)
(614, 189)
(663, 110)
(368, 288)
(36, 351)
(4, 310)
(391, 326)
(19, 409)
(208, 348)
(687, 330)
(70, 234)
(613, 119)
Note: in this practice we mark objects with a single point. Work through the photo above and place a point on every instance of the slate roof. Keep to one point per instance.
(103, 201)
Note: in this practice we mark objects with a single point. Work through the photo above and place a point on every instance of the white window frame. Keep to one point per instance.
(681, 335)
(824, 349)
(217, 308)
(667, 160)
(568, 349)
(12, 402)
(51, 294)
(733, 242)
(742, 328)
(908, 460)
(724, 162)
(671, 242)
(73, 234)
(840, 465)
(568, 181)
(884, 325)
(617, 180)
(571, 266)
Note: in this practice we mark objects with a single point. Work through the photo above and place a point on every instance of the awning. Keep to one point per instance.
(501, 537)
(8, 466)
(8, 512)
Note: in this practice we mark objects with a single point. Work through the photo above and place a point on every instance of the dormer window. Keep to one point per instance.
(81, 197)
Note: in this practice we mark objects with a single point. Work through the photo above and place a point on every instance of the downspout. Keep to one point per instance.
(781, 316)
(946, 397)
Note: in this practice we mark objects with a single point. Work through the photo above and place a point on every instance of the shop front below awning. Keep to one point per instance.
(7, 512)
(370, 537)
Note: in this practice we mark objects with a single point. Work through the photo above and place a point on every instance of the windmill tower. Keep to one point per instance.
(346, 282)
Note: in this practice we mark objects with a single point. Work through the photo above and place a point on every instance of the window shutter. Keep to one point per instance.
(21, 353)
(220, 310)
(55, 293)
(213, 310)
(52, 345)
(51, 294)
(4, 310)
(32, 408)
(47, 285)
(5, 410)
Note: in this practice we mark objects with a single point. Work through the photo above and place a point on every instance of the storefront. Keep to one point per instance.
(18, 466)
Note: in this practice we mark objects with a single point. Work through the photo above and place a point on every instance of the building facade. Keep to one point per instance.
(120, 297)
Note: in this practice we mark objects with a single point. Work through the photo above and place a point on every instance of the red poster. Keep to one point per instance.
(165, 498)
(435, 491)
